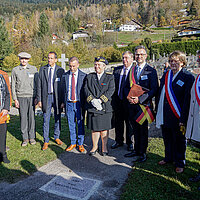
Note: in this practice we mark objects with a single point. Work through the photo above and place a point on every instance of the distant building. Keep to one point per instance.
(107, 20)
(188, 32)
(80, 34)
(184, 22)
(133, 25)
(56, 38)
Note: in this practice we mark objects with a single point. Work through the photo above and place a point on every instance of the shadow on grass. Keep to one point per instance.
(151, 181)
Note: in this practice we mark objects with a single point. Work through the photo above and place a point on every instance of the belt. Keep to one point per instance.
(50, 93)
(72, 101)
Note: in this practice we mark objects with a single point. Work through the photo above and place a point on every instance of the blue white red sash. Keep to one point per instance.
(197, 89)
(171, 98)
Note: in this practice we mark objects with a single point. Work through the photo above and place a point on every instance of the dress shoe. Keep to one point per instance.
(45, 146)
(72, 146)
(92, 153)
(104, 153)
(179, 170)
(141, 158)
(116, 145)
(58, 141)
(24, 143)
(162, 162)
(131, 154)
(32, 141)
(195, 179)
(81, 148)
(130, 147)
(5, 160)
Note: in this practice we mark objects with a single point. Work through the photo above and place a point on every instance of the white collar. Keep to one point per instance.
(142, 65)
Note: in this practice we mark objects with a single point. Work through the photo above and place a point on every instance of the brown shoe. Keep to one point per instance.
(179, 170)
(45, 146)
(72, 146)
(81, 148)
(58, 141)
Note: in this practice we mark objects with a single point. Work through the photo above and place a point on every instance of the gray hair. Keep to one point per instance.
(73, 59)
(140, 47)
(129, 53)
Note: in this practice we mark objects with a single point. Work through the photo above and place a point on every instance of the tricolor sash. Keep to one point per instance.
(197, 89)
(145, 111)
(143, 114)
(171, 98)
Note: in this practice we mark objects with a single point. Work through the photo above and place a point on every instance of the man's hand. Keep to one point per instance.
(5, 112)
(35, 101)
(133, 100)
(40, 104)
(62, 105)
(16, 103)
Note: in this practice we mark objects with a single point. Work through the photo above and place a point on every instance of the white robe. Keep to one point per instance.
(193, 123)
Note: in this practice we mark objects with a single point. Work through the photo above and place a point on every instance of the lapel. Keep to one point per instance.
(96, 81)
(79, 81)
(46, 72)
(55, 73)
(67, 81)
(143, 71)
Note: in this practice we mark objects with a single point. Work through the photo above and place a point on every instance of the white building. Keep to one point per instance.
(133, 25)
(79, 34)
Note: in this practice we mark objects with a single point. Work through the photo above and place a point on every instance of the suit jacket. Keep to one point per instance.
(148, 78)
(99, 89)
(115, 99)
(42, 89)
(79, 87)
(182, 93)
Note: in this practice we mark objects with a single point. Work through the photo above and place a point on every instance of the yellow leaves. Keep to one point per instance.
(11, 61)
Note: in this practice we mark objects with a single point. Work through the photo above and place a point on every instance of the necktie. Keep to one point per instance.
(122, 85)
(73, 88)
(138, 72)
(50, 81)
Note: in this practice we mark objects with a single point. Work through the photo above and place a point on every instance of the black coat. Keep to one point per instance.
(103, 89)
(182, 94)
(42, 90)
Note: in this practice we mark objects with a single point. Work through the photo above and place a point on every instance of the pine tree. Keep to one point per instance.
(43, 25)
(6, 46)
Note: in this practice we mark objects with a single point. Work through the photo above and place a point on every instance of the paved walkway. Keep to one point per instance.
(107, 175)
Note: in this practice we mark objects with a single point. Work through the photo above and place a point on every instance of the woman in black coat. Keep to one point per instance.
(173, 109)
(99, 88)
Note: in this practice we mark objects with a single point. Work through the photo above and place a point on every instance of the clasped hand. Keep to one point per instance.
(97, 104)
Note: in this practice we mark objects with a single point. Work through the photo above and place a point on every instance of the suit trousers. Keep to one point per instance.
(46, 120)
(73, 113)
(121, 117)
(175, 145)
(3, 132)
(27, 117)
(140, 133)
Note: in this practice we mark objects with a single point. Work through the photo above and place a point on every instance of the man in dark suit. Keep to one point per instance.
(49, 95)
(120, 102)
(73, 101)
(145, 76)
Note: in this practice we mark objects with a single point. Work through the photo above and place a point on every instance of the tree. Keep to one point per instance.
(141, 11)
(194, 8)
(70, 24)
(43, 25)
(10, 61)
(6, 46)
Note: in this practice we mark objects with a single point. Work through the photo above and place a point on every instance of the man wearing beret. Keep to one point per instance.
(23, 86)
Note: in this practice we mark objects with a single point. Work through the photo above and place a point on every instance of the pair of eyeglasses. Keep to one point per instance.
(140, 55)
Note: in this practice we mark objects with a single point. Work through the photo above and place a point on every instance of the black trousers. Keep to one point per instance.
(3, 132)
(121, 117)
(175, 145)
(140, 133)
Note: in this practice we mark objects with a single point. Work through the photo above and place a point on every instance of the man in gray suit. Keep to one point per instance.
(49, 95)
(24, 81)
(73, 99)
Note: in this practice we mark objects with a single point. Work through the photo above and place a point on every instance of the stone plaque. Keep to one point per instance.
(74, 187)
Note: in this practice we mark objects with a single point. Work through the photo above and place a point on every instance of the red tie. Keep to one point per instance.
(73, 88)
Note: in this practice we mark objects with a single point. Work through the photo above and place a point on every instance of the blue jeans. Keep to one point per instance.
(46, 120)
(73, 113)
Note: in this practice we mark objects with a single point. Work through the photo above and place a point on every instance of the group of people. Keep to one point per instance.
(109, 103)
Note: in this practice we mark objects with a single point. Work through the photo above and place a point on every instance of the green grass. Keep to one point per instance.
(151, 181)
(26, 160)
(128, 37)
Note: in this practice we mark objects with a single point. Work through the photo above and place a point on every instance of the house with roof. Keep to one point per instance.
(56, 38)
(132, 25)
(188, 32)
(80, 34)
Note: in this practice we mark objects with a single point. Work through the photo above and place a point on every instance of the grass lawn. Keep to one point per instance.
(127, 37)
(151, 181)
(26, 160)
